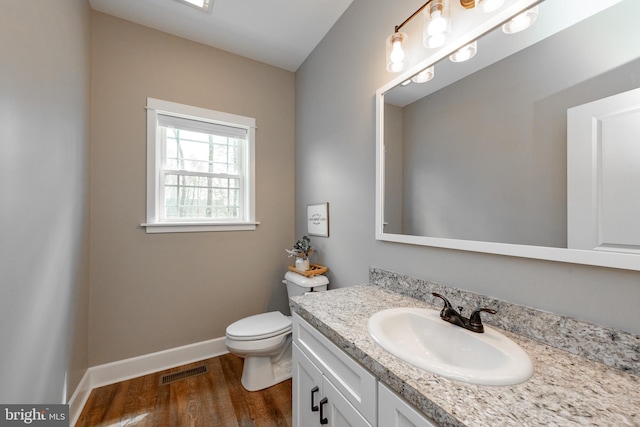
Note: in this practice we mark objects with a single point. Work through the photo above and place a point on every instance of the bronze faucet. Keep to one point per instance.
(473, 323)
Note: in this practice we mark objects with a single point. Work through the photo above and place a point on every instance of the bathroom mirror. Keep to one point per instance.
(476, 159)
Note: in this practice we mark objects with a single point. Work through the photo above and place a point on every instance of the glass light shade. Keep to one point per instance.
(204, 5)
(488, 6)
(200, 3)
(436, 24)
(431, 42)
(464, 53)
(395, 52)
(521, 22)
(424, 75)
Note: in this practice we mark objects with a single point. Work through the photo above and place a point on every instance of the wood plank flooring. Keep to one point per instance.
(216, 398)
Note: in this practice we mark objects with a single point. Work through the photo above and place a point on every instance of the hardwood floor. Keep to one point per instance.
(216, 398)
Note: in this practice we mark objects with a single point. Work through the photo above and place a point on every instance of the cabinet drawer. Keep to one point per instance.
(357, 384)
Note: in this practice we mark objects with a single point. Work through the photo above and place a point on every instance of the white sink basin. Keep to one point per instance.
(418, 336)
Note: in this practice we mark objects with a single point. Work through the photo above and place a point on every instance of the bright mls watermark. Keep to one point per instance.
(34, 415)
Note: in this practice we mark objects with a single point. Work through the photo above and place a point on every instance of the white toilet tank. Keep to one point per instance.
(297, 284)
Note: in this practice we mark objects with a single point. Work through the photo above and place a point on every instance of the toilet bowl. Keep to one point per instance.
(264, 340)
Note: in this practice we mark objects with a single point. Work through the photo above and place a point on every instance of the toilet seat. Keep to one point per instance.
(259, 326)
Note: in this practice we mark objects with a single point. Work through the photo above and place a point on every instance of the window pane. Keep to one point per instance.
(193, 197)
(201, 152)
(172, 148)
(233, 197)
(170, 196)
(220, 153)
(171, 164)
(234, 164)
(193, 136)
(170, 179)
(171, 212)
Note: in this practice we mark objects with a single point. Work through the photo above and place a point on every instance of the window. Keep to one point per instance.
(200, 169)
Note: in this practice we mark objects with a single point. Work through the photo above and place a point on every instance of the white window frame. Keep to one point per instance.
(155, 224)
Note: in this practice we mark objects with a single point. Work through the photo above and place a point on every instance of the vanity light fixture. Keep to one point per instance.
(465, 52)
(437, 23)
(521, 22)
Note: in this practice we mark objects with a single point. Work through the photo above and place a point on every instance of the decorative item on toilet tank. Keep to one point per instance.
(301, 250)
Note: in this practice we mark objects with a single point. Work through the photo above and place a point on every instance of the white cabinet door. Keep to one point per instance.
(336, 411)
(306, 390)
(316, 401)
(393, 411)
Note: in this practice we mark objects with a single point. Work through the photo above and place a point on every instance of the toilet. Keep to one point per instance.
(264, 340)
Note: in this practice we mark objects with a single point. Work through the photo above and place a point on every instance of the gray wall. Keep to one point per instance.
(151, 292)
(44, 128)
(335, 162)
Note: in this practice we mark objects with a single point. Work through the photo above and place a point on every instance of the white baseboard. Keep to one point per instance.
(79, 397)
(110, 373)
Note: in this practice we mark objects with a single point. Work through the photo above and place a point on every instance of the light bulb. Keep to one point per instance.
(438, 24)
(397, 54)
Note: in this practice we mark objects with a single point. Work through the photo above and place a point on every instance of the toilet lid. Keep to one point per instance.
(260, 326)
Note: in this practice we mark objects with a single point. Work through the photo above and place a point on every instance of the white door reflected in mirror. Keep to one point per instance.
(603, 175)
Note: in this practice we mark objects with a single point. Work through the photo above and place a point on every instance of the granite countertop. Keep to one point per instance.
(565, 390)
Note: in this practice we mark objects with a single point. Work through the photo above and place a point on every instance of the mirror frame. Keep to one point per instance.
(619, 260)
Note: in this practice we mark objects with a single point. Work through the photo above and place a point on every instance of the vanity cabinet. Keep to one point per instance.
(330, 388)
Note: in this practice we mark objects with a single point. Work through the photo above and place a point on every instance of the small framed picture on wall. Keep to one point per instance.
(318, 220)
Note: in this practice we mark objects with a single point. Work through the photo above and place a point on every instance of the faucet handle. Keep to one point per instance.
(475, 321)
(446, 307)
(447, 304)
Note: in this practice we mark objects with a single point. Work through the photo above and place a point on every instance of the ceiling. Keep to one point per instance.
(281, 33)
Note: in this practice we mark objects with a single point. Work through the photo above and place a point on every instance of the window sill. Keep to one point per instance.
(194, 227)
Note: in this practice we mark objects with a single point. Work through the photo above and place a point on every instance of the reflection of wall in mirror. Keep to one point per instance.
(393, 169)
(485, 159)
